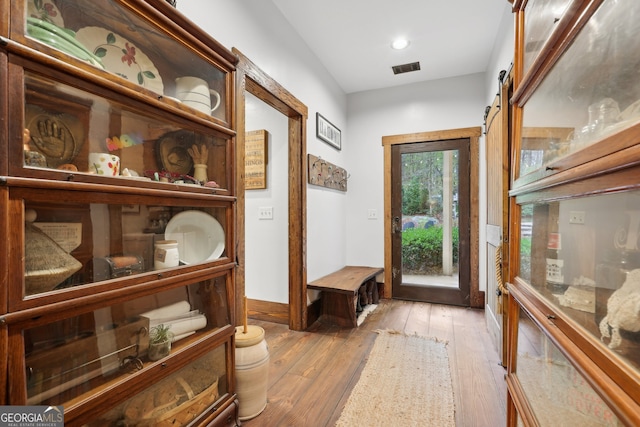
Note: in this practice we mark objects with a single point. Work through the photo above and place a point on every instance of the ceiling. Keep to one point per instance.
(352, 38)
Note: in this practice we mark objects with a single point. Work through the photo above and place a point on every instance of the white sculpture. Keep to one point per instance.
(623, 310)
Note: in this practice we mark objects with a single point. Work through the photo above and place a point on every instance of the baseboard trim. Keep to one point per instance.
(268, 311)
(277, 312)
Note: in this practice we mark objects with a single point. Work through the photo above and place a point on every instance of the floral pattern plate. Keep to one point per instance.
(121, 57)
(45, 10)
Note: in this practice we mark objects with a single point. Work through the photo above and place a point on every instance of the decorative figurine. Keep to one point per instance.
(623, 310)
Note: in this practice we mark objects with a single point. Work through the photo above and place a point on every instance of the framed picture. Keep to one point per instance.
(326, 131)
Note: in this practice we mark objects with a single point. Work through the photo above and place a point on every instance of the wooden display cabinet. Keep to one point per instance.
(103, 157)
(574, 318)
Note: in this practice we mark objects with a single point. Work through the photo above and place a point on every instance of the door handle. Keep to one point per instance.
(395, 225)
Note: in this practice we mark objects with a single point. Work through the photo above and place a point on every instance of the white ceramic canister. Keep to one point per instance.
(252, 371)
(166, 254)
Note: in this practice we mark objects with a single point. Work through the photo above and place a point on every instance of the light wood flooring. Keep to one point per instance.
(312, 373)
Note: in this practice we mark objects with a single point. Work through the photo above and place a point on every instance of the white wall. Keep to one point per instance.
(421, 107)
(502, 55)
(339, 232)
(258, 30)
(267, 240)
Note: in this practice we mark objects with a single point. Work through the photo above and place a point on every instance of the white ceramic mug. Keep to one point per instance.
(195, 92)
(104, 164)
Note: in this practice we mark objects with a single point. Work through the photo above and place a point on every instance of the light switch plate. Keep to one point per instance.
(576, 217)
(265, 212)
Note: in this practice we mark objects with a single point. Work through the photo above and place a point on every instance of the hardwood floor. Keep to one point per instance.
(311, 373)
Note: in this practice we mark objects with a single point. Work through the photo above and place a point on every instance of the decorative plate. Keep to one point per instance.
(45, 10)
(200, 236)
(61, 39)
(121, 57)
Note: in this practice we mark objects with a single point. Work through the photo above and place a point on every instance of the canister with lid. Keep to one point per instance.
(166, 254)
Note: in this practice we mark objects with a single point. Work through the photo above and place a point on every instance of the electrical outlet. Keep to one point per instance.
(372, 214)
(265, 212)
(576, 217)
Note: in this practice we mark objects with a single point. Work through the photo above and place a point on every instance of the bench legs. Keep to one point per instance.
(339, 308)
(342, 308)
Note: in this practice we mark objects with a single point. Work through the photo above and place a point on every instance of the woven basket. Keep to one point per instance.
(46, 264)
(181, 409)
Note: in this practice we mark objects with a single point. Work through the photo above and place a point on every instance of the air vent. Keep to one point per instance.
(406, 68)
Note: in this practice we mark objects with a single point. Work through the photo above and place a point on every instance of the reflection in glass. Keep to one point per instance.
(583, 256)
(71, 244)
(75, 131)
(557, 393)
(177, 399)
(540, 19)
(592, 91)
(73, 356)
(111, 38)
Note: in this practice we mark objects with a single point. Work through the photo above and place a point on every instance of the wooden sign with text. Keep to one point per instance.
(255, 159)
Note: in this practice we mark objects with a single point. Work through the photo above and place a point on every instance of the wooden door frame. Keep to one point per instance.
(250, 78)
(476, 297)
(435, 294)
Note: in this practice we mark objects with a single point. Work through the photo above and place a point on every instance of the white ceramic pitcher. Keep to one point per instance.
(195, 92)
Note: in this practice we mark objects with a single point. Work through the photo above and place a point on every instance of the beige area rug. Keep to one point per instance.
(406, 382)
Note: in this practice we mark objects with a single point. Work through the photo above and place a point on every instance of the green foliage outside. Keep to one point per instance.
(414, 198)
(525, 258)
(422, 250)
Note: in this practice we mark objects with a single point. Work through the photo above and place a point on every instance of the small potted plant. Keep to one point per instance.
(160, 338)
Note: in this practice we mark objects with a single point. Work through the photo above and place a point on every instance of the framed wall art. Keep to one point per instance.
(255, 159)
(328, 132)
(325, 174)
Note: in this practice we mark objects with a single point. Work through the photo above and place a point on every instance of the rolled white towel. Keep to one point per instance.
(168, 311)
(183, 326)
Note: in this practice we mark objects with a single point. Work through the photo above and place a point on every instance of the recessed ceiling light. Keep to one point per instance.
(399, 44)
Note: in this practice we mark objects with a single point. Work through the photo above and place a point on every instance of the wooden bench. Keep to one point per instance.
(345, 291)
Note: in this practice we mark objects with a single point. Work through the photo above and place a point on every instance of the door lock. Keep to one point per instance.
(395, 226)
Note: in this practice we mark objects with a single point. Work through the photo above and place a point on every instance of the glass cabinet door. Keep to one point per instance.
(177, 399)
(73, 134)
(70, 244)
(557, 393)
(582, 255)
(71, 359)
(540, 19)
(144, 54)
(592, 92)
